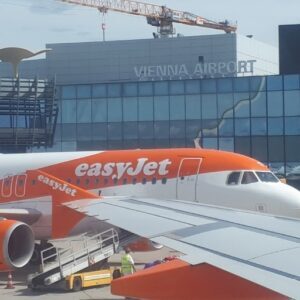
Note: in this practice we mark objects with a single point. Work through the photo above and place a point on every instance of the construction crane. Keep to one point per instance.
(159, 16)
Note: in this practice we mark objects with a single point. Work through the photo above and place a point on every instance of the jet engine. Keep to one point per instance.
(16, 243)
(142, 245)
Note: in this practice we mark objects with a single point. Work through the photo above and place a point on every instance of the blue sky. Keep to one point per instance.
(33, 23)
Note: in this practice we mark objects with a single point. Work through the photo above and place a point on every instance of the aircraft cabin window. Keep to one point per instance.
(249, 177)
(144, 181)
(33, 182)
(105, 180)
(97, 180)
(134, 180)
(267, 177)
(164, 181)
(115, 180)
(153, 180)
(233, 178)
(87, 181)
(125, 181)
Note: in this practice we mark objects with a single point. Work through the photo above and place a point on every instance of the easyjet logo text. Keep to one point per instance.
(63, 187)
(117, 170)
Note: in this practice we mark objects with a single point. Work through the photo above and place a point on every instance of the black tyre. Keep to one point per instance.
(116, 274)
(77, 284)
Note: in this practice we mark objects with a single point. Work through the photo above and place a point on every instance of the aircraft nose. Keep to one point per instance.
(290, 200)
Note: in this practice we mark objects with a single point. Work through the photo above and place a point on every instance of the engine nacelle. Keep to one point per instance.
(16, 243)
(142, 245)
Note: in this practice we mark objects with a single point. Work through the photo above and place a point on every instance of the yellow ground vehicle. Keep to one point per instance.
(78, 281)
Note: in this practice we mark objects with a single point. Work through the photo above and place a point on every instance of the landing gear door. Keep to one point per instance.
(186, 186)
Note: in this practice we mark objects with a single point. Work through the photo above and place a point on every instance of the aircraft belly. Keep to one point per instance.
(41, 226)
(157, 190)
(42, 204)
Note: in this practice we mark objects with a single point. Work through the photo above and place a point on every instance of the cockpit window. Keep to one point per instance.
(233, 178)
(249, 177)
(267, 177)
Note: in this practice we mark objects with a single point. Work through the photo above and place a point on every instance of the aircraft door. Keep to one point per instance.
(186, 186)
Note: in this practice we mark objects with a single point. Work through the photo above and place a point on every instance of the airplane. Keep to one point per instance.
(34, 188)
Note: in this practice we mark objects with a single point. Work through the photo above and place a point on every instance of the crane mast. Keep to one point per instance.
(159, 16)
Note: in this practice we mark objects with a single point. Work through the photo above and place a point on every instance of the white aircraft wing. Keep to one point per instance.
(260, 248)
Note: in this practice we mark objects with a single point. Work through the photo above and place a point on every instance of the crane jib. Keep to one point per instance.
(156, 15)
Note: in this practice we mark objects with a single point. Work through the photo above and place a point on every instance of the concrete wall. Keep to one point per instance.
(122, 60)
(266, 56)
(149, 59)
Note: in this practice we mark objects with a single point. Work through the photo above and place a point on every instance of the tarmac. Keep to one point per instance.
(57, 291)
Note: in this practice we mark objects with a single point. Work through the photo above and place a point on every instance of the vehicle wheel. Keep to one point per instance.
(77, 284)
(116, 274)
(36, 256)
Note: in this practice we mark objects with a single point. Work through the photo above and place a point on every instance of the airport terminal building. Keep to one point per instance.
(161, 93)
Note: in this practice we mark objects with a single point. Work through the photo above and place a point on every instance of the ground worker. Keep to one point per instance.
(127, 263)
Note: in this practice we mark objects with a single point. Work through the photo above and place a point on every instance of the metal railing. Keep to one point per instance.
(91, 245)
(28, 110)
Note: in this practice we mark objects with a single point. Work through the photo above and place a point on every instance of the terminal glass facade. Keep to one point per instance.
(256, 116)
(28, 113)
